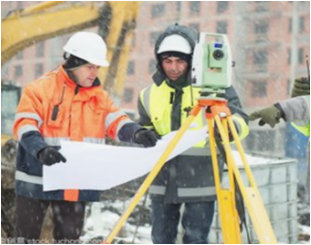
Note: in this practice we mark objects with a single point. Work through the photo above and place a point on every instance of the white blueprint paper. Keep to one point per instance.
(101, 167)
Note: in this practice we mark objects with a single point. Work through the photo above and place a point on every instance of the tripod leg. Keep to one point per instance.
(253, 200)
(230, 172)
(241, 152)
(153, 173)
(250, 195)
(226, 203)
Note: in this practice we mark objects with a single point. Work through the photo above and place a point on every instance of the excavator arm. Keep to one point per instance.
(116, 21)
(27, 27)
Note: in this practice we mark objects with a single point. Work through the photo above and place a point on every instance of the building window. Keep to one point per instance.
(260, 57)
(18, 71)
(56, 43)
(152, 66)
(301, 24)
(259, 89)
(178, 6)
(261, 27)
(300, 56)
(260, 60)
(40, 49)
(39, 70)
(290, 22)
(289, 56)
(19, 55)
(128, 95)
(157, 10)
(19, 5)
(222, 6)
(261, 6)
(131, 68)
(194, 7)
(154, 36)
(288, 87)
(195, 26)
(221, 27)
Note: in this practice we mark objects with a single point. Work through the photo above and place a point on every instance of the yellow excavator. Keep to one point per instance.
(20, 29)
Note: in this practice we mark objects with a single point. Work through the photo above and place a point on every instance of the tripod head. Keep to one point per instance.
(212, 64)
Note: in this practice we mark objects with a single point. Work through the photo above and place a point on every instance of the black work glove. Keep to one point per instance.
(145, 137)
(49, 156)
(301, 87)
(270, 115)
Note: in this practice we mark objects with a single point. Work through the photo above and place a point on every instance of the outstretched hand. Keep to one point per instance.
(270, 115)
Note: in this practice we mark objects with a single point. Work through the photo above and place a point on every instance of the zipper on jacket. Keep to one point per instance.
(172, 98)
(56, 107)
(77, 89)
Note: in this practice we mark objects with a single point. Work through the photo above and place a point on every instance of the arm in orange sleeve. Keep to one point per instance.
(28, 121)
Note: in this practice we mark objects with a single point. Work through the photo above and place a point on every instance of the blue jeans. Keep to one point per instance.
(196, 221)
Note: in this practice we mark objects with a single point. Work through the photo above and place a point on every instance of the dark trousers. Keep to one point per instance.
(68, 219)
(196, 221)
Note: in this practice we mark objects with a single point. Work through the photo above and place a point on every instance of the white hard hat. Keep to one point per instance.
(175, 43)
(88, 46)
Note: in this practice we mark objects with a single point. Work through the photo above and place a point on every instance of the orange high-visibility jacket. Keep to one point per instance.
(55, 108)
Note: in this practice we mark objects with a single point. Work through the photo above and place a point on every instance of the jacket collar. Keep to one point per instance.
(158, 78)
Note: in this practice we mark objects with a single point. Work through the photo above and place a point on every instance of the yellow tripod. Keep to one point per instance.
(218, 114)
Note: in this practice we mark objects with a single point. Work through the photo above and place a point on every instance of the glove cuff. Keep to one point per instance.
(282, 114)
(136, 133)
(128, 131)
(40, 151)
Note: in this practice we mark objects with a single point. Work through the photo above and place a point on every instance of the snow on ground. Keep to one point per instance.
(100, 223)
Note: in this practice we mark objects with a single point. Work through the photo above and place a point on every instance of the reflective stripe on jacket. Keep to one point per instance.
(189, 176)
(297, 111)
(84, 114)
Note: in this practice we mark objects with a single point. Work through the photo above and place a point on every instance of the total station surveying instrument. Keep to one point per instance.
(211, 71)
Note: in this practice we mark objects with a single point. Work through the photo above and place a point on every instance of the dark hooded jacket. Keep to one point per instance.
(186, 177)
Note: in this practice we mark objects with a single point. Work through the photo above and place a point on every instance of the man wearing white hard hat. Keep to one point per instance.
(188, 178)
(70, 104)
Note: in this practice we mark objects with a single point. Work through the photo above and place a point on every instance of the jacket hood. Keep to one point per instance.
(190, 34)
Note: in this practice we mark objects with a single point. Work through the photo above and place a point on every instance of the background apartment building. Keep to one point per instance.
(269, 41)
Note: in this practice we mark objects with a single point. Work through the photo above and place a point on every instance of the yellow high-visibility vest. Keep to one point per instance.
(156, 101)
